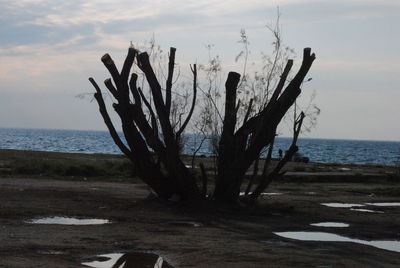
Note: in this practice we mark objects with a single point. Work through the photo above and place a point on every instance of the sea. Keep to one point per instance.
(100, 142)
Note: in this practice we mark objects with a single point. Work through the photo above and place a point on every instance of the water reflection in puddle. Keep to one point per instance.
(271, 193)
(243, 193)
(351, 205)
(331, 224)
(104, 261)
(342, 205)
(68, 221)
(391, 245)
(366, 210)
(385, 204)
(128, 260)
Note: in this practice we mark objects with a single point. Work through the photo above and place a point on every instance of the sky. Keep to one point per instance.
(49, 48)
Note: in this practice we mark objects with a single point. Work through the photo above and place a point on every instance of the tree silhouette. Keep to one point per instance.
(153, 142)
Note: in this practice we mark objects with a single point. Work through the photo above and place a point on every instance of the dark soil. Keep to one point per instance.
(221, 237)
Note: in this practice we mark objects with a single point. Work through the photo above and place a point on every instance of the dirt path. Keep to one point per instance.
(224, 239)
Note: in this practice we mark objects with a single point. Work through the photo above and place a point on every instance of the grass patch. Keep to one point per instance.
(70, 168)
(55, 165)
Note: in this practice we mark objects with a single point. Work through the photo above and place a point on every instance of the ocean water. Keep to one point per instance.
(317, 150)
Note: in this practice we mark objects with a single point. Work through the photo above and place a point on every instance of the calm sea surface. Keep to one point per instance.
(318, 150)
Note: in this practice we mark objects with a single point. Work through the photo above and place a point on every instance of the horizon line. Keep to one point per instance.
(300, 137)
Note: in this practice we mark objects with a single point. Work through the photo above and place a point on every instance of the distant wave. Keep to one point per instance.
(317, 150)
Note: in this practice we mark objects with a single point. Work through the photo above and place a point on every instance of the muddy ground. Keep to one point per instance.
(225, 238)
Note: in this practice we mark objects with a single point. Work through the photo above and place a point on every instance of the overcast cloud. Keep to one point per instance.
(48, 49)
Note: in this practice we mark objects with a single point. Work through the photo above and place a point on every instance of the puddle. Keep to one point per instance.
(126, 260)
(391, 245)
(366, 210)
(185, 223)
(342, 205)
(68, 221)
(242, 193)
(350, 205)
(331, 224)
(385, 204)
(106, 260)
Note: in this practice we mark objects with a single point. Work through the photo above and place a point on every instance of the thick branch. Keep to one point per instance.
(230, 104)
(134, 90)
(274, 112)
(282, 81)
(249, 126)
(226, 148)
(110, 65)
(107, 120)
(293, 89)
(122, 87)
(152, 114)
(263, 128)
(288, 156)
(111, 88)
(144, 65)
(128, 64)
(146, 130)
(168, 89)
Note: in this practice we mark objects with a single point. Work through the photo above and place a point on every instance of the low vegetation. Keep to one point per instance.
(65, 165)
(109, 167)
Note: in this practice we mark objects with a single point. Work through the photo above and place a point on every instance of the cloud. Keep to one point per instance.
(359, 65)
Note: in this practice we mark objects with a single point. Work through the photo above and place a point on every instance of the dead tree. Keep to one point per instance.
(152, 143)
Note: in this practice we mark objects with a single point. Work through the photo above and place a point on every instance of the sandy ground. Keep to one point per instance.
(226, 238)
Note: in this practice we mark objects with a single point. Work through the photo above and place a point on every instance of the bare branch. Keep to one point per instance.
(194, 71)
(213, 103)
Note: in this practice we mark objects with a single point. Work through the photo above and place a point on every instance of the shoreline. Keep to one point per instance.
(317, 149)
(12, 162)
